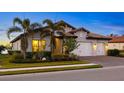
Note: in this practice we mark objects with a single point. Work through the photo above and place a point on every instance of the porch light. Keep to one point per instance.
(106, 46)
(94, 46)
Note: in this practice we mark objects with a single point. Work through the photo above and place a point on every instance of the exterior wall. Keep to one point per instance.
(119, 46)
(90, 47)
(67, 29)
(16, 46)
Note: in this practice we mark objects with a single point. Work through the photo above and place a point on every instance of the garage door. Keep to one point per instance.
(85, 49)
(100, 49)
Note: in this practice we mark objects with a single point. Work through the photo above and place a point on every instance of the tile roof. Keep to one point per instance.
(91, 35)
(97, 36)
(79, 29)
(117, 39)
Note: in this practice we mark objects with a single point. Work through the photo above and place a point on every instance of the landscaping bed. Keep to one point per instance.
(116, 53)
(5, 63)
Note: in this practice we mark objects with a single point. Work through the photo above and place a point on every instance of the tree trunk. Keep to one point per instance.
(24, 55)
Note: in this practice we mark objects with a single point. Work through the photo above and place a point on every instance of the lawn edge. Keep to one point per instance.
(48, 70)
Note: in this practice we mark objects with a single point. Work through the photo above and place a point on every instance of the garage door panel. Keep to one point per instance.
(85, 49)
(100, 49)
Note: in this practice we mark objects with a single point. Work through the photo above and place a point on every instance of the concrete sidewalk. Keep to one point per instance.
(46, 67)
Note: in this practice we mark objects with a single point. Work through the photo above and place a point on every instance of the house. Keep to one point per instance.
(91, 44)
(117, 42)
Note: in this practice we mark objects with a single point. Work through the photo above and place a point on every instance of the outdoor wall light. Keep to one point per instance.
(94, 46)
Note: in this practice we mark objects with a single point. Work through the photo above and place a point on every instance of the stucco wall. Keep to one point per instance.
(16, 45)
(119, 46)
(86, 45)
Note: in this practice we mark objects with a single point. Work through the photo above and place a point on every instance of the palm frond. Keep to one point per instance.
(61, 23)
(45, 32)
(61, 33)
(48, 22)
(35, 25)
(47, 29)
(13, 29)
(17, 20)
(26, 23)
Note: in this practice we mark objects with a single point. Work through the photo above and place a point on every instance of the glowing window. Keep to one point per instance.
(38, 45)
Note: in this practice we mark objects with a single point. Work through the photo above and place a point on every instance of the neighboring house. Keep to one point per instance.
(91, 44)
(117, 42)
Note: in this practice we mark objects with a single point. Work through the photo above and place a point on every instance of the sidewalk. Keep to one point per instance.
(46, 67)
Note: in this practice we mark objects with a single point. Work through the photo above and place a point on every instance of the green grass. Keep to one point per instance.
(121, 54)
(4, 62)
(49, 70)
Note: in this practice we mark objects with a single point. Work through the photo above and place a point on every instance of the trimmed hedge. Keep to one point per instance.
(13, 52)
(26, 61)
(64, 57)
(38, 55)
(113, 52)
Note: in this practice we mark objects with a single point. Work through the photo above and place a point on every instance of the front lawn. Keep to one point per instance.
(121, 54)
(4, 62)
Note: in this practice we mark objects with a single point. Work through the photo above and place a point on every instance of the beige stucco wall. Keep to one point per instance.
(16, 45)
(86, 45)
(119, 46)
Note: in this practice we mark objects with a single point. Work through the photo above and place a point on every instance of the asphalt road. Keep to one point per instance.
(115, 73)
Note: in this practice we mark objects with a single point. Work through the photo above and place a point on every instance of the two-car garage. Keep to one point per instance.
(90, 49)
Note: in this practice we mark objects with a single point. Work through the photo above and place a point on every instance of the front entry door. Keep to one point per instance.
(58, 44)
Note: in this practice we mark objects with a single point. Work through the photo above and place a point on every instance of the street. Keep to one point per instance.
(114, 73)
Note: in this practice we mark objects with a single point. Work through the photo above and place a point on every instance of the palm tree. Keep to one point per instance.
(51, 29)
(24, 26)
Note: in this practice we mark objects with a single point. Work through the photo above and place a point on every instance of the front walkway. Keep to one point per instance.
(46, 67)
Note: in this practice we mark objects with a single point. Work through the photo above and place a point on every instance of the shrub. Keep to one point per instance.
(16, 56)
(13, 52)
(30, 54)
(121, 53)
(73, 56)
(46, 54)
(60, 57)
(26, 61)
(113, 52)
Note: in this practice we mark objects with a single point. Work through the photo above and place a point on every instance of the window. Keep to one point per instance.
(38, 45)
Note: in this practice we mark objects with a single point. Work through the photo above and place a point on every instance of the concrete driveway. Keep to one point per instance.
(105, 61)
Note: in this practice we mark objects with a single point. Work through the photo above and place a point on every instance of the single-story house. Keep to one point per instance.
(91, 44)
(117, 42)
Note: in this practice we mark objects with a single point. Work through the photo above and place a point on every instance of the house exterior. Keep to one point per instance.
(91, 44)
(117, 42)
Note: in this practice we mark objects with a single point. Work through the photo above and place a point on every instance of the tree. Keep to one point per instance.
(2, 48)
(70, 44)
(51, 29)
(24, 26)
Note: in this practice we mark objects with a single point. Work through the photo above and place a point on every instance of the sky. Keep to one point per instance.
(104, 23)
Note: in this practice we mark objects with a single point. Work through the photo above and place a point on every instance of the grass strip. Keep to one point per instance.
(48, 70)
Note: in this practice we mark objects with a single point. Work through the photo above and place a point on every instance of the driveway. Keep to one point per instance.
(105, 61)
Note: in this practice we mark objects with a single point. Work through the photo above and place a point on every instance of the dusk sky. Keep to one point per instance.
(101, 23)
